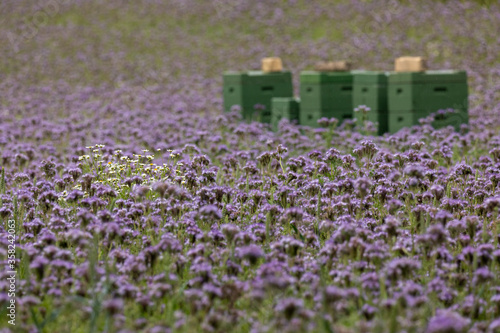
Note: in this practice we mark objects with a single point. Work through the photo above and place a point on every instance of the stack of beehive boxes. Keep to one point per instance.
(396, 99)
(415, 95)
(325, 94)
(252, 91)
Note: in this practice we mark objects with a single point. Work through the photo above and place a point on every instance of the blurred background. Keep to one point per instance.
(151, 47)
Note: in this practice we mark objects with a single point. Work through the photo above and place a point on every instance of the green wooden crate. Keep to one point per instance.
(427, 91)
(325, 94)
(248, 89)
(370, 89)
(412, 96)
(397, 121)
(284, 108)
(460, 117)
(311, 117)
(326, 90)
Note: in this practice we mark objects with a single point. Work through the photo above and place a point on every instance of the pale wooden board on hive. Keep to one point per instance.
(410, 64)
(272, 64)
(333, 66)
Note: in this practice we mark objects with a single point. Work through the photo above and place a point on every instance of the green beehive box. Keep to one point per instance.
(416, 95)
(284, 108)
(310, 117)
(455, 119)
(325, 94)
(370, 89)
(247, 89)
(398, 121)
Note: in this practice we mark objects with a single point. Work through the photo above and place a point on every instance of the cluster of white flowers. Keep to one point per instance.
(120, 167)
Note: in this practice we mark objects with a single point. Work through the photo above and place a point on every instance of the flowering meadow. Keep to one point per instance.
(139, 206)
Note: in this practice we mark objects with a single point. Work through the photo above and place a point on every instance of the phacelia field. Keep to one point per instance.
(138, 205)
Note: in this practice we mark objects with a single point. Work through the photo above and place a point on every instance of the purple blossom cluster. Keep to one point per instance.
(141, 207)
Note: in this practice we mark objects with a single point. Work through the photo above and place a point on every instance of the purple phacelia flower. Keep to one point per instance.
(251, 253)
(447, 322)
